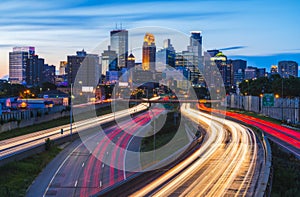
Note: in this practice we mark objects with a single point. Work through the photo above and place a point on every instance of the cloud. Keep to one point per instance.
(232, 48)
(6, 45)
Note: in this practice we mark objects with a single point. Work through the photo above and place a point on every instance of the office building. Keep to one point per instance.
(149, 52)
(288, 68)
(274, 69)
(195, 47)
(166, 56)
(34, 71)
(261, 72)
(48, 73)
(119, 44)
(109, 61)
(87, 64)
(238, 70)
(219, 60)
(250, 72)
(62, 67)
(18, 63)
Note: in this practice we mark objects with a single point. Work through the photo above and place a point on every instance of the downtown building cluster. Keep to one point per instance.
(27, 68)
(116, 65)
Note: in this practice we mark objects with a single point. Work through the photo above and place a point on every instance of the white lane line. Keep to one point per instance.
(103, 165)
(76, 184)
(82, 165)
(100, 184)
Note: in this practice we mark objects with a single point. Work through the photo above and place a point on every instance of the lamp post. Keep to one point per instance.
(282, 98)
(247, 81)
(154, 126)
(71, 119)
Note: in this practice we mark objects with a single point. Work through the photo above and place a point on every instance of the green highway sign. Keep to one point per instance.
(268, 100)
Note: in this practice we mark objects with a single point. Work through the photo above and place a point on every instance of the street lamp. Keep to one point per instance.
(247, 81)
(71, 119)
(154, 126)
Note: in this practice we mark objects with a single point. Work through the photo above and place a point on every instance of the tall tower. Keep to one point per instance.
(18, 63)
(149, 52)
(119, 43)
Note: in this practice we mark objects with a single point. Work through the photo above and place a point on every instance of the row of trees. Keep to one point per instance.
(15, 90)
(284, 87)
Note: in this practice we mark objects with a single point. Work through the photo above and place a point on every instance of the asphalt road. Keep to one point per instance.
(99, 161)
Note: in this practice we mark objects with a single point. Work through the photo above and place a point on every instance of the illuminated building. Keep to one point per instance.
(119, 44)
(130, 61)
(224, 66)
(62, 67)
(149, 52)
(18, 63)
(288, 68)
(274, 69)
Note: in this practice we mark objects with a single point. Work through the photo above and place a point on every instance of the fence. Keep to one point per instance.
(286, 109)
(19, 119)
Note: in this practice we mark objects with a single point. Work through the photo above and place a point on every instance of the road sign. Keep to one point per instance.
(268, 100)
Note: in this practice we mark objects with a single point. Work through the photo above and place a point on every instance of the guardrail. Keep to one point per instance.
(265, 183)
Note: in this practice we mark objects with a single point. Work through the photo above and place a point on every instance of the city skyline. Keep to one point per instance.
(259, 32)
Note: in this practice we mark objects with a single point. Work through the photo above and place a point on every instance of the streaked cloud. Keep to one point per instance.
(232, 48)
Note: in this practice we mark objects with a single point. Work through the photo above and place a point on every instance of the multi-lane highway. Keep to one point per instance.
(22, 143)
(227, 163)
(85, 172)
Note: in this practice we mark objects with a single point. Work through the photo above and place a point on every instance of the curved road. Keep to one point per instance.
(227, 163)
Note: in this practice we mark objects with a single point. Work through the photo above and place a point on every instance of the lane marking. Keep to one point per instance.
(76, 184)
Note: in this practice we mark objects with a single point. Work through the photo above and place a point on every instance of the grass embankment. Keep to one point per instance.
(168, 131)
(50, 124)
(17, 176)
(256, 115)
(286, 173)
(263, 117)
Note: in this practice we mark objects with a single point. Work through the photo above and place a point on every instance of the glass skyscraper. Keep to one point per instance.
(119, 43)
(18, 63)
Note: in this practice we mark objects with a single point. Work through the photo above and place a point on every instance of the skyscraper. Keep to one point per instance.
(149, 52)
(288, 68)
(109, 61)
(34, 70)
(18, 63)
(119, 44)
(196, 46)
(88, 64)
(238, 70)
(166, 56)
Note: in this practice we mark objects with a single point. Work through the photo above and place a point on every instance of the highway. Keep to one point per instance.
(85, 172)
(287, 138)
(227, 163)
(22, 143)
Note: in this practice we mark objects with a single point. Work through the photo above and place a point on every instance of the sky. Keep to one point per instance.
(261, 32)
